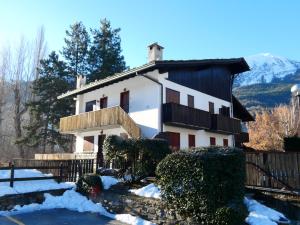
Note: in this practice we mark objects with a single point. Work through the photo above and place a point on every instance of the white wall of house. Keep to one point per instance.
(80, 137)
(144, 102)
(202, 138)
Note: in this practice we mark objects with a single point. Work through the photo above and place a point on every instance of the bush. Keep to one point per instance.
(200, 181)
(230, 215)
(292, 144)
(141, 155)
(89, 185)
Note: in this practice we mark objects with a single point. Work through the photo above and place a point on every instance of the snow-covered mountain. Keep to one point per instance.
(266, 68)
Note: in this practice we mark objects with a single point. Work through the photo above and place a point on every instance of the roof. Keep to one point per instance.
(235, 65)
(240, 112)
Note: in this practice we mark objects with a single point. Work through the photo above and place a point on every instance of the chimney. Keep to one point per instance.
(155, 52)
(81, 81)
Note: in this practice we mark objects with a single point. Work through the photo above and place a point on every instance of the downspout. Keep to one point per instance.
(161, 97)
(231, 105)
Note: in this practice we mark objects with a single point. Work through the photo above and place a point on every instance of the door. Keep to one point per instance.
(124, 101)
(100, 158)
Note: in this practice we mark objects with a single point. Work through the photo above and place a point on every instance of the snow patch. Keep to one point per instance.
(29, 186)
(149, 191)
(72, 200)
(260, 214)
(109, 181)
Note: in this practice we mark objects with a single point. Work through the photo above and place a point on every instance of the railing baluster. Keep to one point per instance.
(12, 175)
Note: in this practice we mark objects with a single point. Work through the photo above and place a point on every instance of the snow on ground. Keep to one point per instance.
(74, 201)
(109, 181)
(260, 214)
(149, 191)
(28, 186)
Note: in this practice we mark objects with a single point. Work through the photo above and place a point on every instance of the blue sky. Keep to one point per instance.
(187, 29)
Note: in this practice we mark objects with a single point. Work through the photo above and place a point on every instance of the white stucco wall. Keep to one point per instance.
(202, 138)
(144, 102)
(80, 137)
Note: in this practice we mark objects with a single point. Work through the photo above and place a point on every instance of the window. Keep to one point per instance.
(124, 101)
(88, 144)
(103, 102)
(225, 142)
(191, 101)
(174, 140)
(224, 111)
(172, 96)
(89, 106)
(212, 141)
(211, 107)
(192, 141)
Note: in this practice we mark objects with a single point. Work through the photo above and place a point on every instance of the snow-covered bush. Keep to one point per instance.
(199, 182)
(141, 156)
(89, 185)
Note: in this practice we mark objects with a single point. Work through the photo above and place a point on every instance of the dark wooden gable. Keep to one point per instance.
(214, 81)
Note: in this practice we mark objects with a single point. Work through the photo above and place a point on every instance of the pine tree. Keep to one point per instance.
(105, 57)
(76, 49)
(46, 108)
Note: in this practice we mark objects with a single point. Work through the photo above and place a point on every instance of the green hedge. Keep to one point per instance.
(292, 144)
(141, 155)
(199, 182)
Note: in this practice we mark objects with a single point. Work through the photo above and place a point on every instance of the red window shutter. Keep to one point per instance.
(225, 142)
(212, 141)
(124, 101)
(174, 140)
(103, 102)
(192, 141)
(172, 96)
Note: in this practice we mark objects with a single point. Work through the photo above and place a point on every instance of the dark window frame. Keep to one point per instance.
(90, 146)
(191, 101)
(89, 106)
(211, 107)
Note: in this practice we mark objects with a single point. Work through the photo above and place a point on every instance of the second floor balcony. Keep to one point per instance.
(224, 124)
(184, 116)
(100, 119)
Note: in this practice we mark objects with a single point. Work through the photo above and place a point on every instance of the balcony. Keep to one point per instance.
(101, 119)
(184, 116)
(225, 124)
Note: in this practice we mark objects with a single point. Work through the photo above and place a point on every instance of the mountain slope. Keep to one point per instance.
(269, 81)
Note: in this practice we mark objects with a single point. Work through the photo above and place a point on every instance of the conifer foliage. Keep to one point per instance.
(96, 58)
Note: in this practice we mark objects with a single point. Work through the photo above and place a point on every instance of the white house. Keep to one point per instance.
(187, 102)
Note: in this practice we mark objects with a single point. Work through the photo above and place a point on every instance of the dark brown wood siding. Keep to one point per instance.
(214, 81)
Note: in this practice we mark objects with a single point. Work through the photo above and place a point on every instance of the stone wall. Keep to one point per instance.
(8, 202)
(119, 200)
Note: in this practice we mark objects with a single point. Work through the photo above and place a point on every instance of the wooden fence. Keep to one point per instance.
(72, 169)
(274, 170)
(13, 179)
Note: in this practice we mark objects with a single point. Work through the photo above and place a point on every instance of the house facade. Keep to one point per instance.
(187, 102)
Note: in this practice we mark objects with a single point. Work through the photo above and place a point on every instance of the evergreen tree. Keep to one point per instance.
(46, 108)
(75, 51)
(105, 57)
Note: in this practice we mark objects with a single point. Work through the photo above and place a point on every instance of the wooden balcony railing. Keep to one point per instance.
(184, 116)
(100, 119)
(225, 124)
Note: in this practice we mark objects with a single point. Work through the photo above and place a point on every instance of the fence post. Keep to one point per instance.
(60, 172)
(12, 174)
